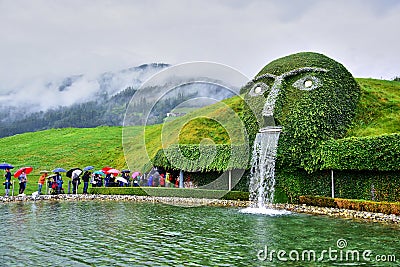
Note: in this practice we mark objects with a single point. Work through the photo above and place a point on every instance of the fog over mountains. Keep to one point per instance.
(90, 101)
(41, 95)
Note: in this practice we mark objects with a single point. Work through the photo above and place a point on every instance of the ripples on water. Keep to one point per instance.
(93, 233)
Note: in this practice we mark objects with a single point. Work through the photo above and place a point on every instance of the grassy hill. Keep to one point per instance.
(378, 113)
(379, 108)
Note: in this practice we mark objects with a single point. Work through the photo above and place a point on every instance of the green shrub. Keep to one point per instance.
(203, 158)
(352, 204)
(318, 201)
(363, 153)
(369, 185)
(170, 192)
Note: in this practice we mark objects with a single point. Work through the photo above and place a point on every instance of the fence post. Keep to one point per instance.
(230, 180)
(333, 185)
(180, 179)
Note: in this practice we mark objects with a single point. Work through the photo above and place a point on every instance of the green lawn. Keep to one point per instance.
(378, 110)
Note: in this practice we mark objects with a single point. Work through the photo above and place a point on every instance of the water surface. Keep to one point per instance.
(95, 233)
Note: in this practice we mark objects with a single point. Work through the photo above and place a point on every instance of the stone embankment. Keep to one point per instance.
(333, 212)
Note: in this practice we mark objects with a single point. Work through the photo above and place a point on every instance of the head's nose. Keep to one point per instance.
(269, 106)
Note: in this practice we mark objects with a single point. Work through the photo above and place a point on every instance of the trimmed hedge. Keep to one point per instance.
(203, 158)
(369, 185)
(352, 204)
(363, 153)
(170, 192)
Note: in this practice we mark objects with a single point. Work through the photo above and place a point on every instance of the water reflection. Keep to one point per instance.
(94, 233)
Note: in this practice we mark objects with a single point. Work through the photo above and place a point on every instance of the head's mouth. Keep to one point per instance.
(270, 129)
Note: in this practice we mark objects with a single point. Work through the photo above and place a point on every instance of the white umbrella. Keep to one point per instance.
(76, 172)
(122, 180)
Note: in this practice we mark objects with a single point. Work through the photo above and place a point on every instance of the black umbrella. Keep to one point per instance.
(4, 166)
(69, 173)
(125, 171)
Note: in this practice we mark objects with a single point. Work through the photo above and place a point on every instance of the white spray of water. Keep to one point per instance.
(262, 181)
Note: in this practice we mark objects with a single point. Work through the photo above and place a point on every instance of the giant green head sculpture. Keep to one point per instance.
(312, 97)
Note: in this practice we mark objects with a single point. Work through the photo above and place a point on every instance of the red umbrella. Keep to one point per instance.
(105, 169)
(27, 170)
(113, 171)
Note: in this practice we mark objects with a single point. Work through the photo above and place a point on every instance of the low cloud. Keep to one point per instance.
(48, 40)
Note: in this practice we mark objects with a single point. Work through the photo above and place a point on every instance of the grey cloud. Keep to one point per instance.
(46, 39)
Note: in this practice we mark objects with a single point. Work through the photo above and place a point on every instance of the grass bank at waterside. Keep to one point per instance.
(193, 202)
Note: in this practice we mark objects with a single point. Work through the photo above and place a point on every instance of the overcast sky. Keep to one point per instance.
(44, 38)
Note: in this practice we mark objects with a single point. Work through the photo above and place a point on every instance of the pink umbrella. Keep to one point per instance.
(135, 174)
(113, 171)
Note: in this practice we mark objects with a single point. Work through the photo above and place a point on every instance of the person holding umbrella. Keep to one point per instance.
(22, 181)
(58, 179)
(21, 174)
(7, 183)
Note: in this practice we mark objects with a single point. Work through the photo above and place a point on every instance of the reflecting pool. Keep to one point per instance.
(95, 233)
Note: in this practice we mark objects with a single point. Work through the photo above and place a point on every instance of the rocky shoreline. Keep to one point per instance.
(332, 212)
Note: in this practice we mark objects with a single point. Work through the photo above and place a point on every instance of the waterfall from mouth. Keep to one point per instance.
(262, 181)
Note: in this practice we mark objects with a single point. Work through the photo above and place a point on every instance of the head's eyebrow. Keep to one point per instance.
(290, 73)
(301, 70)
(266, 75)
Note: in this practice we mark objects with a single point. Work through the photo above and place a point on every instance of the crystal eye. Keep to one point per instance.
(307, 83)
(258, 89)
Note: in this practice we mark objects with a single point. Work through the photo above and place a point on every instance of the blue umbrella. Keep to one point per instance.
(4, 166)
(99, 173)
(59, 170)
(88, 168)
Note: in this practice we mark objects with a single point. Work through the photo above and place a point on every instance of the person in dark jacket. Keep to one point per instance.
(85, 178)
(7, 183)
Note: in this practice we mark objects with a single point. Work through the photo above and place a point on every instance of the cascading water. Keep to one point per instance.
(262, 179)
(262, 182)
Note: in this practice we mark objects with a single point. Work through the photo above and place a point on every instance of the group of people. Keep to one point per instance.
(159, 178)
(155, 178)
(22, 178)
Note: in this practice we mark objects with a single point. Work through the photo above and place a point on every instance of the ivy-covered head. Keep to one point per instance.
(312, 97)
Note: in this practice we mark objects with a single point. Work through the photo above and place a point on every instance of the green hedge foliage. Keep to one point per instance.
(169, 192)
(352, 204)
(203, 158)
(369, 185)
(363, 153)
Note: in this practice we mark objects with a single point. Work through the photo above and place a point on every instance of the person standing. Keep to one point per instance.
(22, 182)
(7, 183)
(167, 180)
(42, 180)
(85, 178)
(75, 182)
(59, 181)
(162, 180)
